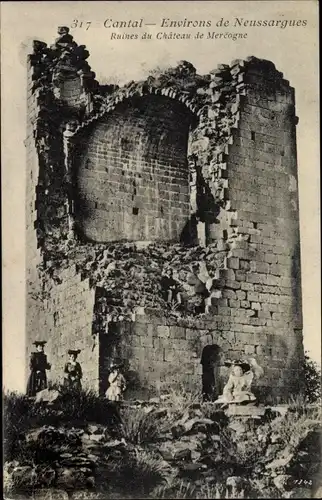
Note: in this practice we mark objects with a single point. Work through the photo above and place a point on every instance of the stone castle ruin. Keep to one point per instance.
(191, 173)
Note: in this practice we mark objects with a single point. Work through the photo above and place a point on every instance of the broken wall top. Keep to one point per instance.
(66, 60)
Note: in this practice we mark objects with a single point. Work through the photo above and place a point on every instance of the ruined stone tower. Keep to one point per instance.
(194, 173)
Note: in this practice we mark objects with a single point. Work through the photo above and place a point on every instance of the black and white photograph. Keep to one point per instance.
(161, 250)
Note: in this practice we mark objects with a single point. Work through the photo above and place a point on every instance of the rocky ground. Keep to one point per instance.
(167, 448)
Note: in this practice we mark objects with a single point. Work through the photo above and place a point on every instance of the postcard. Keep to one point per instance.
(161, 297)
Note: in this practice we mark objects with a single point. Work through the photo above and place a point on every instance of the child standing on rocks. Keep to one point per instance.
(73, 372)
(117, 384)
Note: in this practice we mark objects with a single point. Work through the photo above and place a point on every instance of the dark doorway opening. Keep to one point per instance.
(106, 354)
(210, 372)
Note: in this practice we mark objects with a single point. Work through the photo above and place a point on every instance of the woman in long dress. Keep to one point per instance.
(73, 372)
(38, 365)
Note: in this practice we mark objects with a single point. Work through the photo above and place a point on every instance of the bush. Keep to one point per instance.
(135, 471)
(295, 424)
(138, 427)
(312, 379)
(22, 414)
(16, 412)
(142, 473)
(179, 401)
(86, 406)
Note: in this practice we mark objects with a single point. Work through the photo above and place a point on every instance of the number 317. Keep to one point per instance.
(81, 24)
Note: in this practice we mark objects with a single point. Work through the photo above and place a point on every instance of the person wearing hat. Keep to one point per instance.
(38, 365)
(170, 288)
(73, 372)
(237, 389)
(117, 383)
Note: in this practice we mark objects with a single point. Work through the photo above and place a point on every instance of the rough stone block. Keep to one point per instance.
(247, 286)
(233, 263)
(257, 321)
(240, 294)
(163, 331)
(244, 265)
(177, 332)
(234, 285)
(227, 274)
(224, 311)
(228, 294)
(192, 334)
(252, 296)
(249, 349)
(179, 344)
(264, 314)
(240, 275)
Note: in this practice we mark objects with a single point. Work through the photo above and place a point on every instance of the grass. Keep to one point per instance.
(294, 425)
(179, 400)
(137, 473)
(21, 414)
(138, 427)
(175, 488)
(139, 469)
(180, 489)
(143, 472)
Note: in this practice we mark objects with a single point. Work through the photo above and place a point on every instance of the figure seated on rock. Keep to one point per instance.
(237, 390)
(117, 383)
(170, 288)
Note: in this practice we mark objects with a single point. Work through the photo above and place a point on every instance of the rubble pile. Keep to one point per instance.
(131, 277)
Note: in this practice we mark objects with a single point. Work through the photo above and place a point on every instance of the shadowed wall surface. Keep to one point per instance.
(133, 177)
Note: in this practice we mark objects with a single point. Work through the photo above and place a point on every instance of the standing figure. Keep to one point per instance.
(117, 384)
(38, 365)
(73, 372)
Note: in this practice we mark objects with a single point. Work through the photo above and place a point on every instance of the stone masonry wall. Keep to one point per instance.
(259, 310)
(160, 354)
(66, 323)
(206, 168)
(35, 313)
(133, 179)
(264, 262)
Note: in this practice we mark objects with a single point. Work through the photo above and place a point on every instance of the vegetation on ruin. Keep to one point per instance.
(312, 379)
(149, 450)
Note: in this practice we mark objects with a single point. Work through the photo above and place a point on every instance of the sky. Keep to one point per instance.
(294, 51)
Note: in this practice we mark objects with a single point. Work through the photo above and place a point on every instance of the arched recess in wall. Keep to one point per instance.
(210, 372)
(132, 176)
